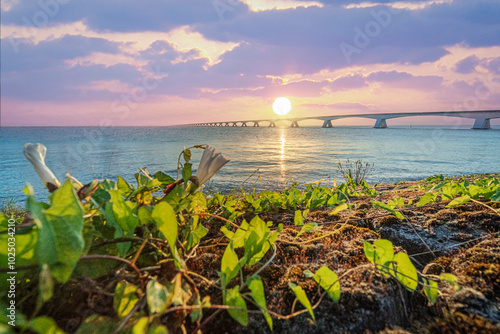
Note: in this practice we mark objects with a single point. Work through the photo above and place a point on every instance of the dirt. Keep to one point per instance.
(463, 241)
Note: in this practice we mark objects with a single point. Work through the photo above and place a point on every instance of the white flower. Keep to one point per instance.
(35, 153)
(211, 162)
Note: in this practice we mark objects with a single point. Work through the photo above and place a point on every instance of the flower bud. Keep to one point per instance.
(35, 153)
(211, 162)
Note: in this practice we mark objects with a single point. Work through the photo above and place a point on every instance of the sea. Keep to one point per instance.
(275, 157)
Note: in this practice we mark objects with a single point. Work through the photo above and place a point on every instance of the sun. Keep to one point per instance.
(282, 106)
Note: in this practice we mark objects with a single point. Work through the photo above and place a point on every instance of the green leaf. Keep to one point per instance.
(309, 227)
(328, 280)
(125, 298)
(156, 296)
(339, 208)
(431, 290)
(241, 234)
(122, 213)
(450, 278)
(25, 248)
(166, 222)
(298, 218)
(144, 214)
(195, 236)
(164, 179)
(97, 324)
(124, 187)
(141, 179)
(427, 198)
(122, 247)
(496, 196)
(257, 292)
(229, 264)
(186, 172)
(450, 190)
(44, 325)
(381, 252)
(60, 236)
(308, 273)
(459, 201)
(233, 298)
(302, 297)
(332, 201)
(377, 205)
(406, 273)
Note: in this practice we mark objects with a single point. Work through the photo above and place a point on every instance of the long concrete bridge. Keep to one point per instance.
(481, 119)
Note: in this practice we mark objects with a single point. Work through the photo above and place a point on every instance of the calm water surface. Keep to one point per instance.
(282, 155)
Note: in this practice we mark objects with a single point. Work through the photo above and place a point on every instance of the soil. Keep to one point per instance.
(463, 241)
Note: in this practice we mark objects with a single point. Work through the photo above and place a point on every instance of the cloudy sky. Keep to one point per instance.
(165, 62)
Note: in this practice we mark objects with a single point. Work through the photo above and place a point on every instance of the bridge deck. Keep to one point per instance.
(481, 118)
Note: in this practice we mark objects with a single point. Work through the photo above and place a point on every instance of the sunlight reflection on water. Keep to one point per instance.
(282, 155)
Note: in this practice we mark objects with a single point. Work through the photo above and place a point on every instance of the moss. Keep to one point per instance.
(335, 217)
(446, 215)
(439, 265)
(359, 214)
(364, 206)
(461, 323)
(386, 221)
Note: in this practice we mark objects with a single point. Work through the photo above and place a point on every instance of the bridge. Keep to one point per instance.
(481, 119)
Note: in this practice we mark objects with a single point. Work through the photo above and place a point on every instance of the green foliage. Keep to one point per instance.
(300, 216)
(125, 298)
(302, 297)
(388, 207)
(121, 231)
(328, 280)
(157, 296)
(256, 238)
(166, 222)
(257, 292)
(60, 230)
(233, 298)
(381, 254)
(44, 325)
(462, 191)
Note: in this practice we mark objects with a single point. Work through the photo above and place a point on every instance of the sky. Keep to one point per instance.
(168, 62)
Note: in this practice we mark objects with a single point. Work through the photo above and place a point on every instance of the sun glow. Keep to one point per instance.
(282, 106)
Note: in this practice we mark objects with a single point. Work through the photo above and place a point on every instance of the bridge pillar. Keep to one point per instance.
(327, 124)
(482, 124)
(226, 124)
(234, 124)
(244, 124)
(256, 124)
(380, 123)
(294, 124)
(272, 124)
